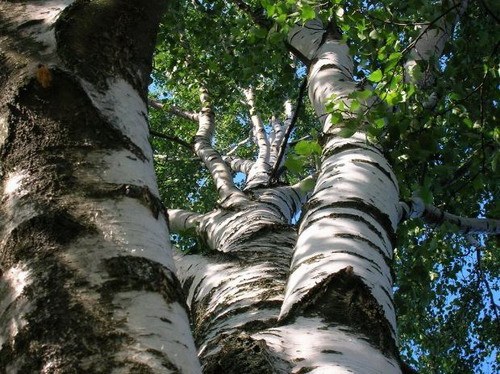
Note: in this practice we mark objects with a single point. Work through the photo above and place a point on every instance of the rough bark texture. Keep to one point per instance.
(340, 273)
(83, 235)
(236, 290)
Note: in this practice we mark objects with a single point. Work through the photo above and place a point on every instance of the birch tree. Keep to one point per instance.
(88, 282)
(88, 277)
(340, 271)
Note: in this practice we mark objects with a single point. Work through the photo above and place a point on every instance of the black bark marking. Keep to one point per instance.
(109, 39)
(331, 151)
(359, 205)
(132, 273)
(213, 319)
(141, 193)
(331, 351)
(62, 328)
(379, 167)
(330, 66)
(343, 298)
(55, 128)
(241, 354)
(42, 235)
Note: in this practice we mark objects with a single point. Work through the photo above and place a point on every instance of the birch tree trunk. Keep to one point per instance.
(340, 278)
(236, 288)
(88, 281)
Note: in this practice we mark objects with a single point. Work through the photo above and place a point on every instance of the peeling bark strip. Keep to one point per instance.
(340, 269)
(88, 279)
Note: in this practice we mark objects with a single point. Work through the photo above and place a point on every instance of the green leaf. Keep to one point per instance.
(373, 34)
(307, 185)
(379, 123)
(259, 32)
(395, 56)
(454, 96)
(269, 7)
(336, 118)
(347, 132)
(393, 98)
(295, 164)
(426, 195)
(376, 76)
(307, 12)
(363, 94)
(495, 161)
(307, 148)
(355, 105)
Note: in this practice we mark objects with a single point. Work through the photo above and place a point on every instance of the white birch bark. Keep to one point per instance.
(269, 146)
(313, 345)
(416, 208)
(279, 131)
(238, 164)
(258, 172)
(347, 230)
(430, 43)
(229, 195)
(238, 289)
(88, 280)
(183, 220)
(174, 110)
(258, 175)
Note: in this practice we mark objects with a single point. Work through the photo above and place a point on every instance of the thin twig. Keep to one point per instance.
(482, 278)
(172, 138)
(275, 173)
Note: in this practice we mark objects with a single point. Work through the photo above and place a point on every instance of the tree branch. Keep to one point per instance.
(279, 133)
(416, 208)
(430, 43)
(259, 173)
(183, 220)
(172, 138)
(229, 195)
(275, 173)
(239, 144)
(238, 164)
(174, 110)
